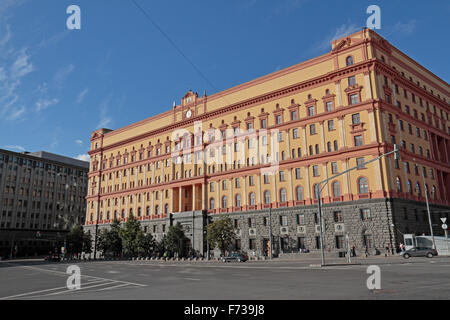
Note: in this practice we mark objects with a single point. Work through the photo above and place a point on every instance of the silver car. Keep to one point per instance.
(420, 252)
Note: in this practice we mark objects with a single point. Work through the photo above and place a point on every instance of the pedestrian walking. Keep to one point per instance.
(353, 251)
(367, 252)
(387, 250)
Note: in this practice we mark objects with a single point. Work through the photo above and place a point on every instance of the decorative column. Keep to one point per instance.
(341, 121)
(338, 93)
(305, 145)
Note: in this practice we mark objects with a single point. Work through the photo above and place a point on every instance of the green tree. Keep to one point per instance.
(109, 240)
(221, 234)
(174, 239)
(76, 240)
(146, 243)
(130, 234)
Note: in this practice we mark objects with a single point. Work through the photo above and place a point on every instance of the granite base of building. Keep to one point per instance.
(370, 223)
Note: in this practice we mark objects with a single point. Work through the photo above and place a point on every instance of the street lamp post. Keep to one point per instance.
(319, 189)
(428, 210)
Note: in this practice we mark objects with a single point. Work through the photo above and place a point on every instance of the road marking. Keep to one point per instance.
(192, 279)
(28, 293)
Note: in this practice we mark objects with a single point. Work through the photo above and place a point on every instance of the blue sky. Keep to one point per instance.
(58, 85)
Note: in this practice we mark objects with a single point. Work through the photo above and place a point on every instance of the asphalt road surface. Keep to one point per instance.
(416, 278)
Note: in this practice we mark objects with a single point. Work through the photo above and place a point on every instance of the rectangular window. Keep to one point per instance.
(295, 133)
(338, 217)
(356, 119)
(334, 167)
(311, 111)
(365, 214)
(312, 129)
(301, 243)
(316, 171)
(330, 125)
(358, 141)
(298, 174)
(354, 99)
(340, 242)
(278, 119)
(351, 81)
(294, 115)
(263, 123)
(329, 106)
(300, 219)
(360, 163)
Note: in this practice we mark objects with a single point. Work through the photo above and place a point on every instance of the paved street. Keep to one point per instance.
(418, 278)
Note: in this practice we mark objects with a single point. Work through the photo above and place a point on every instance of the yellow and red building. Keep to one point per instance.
(266, 143)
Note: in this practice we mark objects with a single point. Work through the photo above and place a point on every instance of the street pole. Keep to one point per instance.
(396, 153)
(428, 209)
(270, 232)
(319, 201)
(446, 240)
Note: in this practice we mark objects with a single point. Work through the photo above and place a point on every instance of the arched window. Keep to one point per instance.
(349, 61)
(329, 146)
(299, 193)
(107, 215)
(123, 214)
(336, 189)
(92, 217)
(131, 211)
(317, 149)
(157, 210)
(166, 208)
(399, 185)
(283, 195)
(266, 197)
(363, 186)
(433, 193)
(299, 152)
(409, 187)
(115, 214)
(211, 204)
(251, 199)
(101, 216)
(147, 211)
(419, 192)
(336, 147)
(224, 202)
(238, 200)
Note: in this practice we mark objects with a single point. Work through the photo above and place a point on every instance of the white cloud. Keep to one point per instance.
(405, 28)
(62, 74)
(43, 104)
(83, 157)
(15, 147)
(16, 113)
(79, 142)
(82, 95)
(340, 32)
(105, 119)
(21, 66)
(6, 37)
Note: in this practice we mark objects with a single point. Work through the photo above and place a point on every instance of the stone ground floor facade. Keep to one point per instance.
(371, 223)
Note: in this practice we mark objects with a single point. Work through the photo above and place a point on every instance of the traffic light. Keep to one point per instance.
(396, 152)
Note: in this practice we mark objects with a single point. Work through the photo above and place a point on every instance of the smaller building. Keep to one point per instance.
(42, 195)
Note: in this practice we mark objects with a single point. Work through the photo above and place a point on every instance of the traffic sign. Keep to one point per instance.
(443, 220)
(444, 226)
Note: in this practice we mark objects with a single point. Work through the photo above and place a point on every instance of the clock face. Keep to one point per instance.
(188, 114)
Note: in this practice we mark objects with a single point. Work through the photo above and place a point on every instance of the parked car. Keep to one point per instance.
(420, 252)
(235, 256)
(53, 257)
